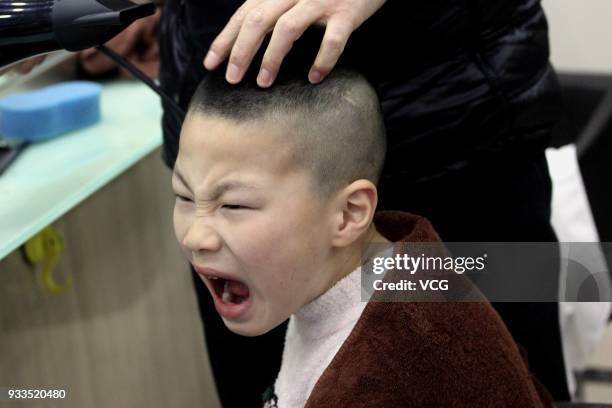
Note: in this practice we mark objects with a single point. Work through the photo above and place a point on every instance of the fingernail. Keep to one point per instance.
(264, 77)
(211, 60)
(314, 76)
(233, 73)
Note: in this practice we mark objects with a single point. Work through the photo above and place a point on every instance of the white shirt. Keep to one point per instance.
(314, 336)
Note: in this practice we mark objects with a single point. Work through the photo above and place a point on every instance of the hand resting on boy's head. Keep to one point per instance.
(287, 20)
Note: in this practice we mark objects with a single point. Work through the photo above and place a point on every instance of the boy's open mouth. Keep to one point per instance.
(232, 297)
(229, 291)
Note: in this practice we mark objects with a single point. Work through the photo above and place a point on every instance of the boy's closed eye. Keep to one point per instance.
(235, 207)
(228, 206)
(183, 198)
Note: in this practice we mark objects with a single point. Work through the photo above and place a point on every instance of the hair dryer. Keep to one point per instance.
(32, 27)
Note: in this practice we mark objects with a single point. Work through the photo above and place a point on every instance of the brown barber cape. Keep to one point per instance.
(408, 354)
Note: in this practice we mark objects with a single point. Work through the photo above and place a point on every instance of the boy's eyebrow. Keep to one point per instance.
(221, 188)
(180, 177)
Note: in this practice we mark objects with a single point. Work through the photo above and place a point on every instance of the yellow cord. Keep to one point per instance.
(45, 248)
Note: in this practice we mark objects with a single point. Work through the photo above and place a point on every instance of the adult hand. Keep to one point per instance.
(287, 19)
(138, 43)
(26, 66)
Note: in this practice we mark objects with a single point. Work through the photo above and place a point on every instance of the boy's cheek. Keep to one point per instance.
(284, 295)
(180, 228)
(177, 226)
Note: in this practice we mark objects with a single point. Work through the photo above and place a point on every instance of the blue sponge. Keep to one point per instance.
(51, 111)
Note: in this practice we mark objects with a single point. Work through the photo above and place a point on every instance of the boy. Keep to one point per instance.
(276, 194)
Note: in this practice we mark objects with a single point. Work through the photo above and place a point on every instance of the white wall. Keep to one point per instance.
(580, 34)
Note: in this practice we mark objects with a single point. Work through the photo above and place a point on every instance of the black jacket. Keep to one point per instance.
(457, 79)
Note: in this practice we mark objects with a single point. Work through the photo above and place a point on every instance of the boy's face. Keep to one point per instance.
(247, 213)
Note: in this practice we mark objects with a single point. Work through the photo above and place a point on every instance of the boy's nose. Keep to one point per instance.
(201, 237)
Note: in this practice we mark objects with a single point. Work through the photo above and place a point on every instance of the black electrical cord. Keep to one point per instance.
(142, 76)
(9, 153)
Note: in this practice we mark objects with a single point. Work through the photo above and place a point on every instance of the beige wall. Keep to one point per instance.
(580, 34)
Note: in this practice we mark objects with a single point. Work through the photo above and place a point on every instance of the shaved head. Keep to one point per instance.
(335, 128)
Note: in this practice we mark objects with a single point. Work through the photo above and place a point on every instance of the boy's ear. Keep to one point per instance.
(354, 212)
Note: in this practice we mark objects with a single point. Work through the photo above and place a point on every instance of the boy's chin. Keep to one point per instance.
(246, 329)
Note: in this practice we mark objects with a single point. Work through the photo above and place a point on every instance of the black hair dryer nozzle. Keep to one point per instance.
(32, 27)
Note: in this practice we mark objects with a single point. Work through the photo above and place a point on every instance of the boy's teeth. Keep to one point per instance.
(227, 295)
(230, 297)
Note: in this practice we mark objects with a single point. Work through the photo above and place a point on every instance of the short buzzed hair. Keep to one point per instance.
(337, 128)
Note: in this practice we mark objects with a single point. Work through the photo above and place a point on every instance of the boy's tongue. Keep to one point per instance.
(237, 288)
(234, 292)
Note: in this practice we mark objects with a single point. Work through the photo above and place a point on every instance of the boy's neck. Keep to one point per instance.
(352, 257)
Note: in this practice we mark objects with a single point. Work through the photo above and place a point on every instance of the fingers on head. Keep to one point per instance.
(289, 27)
(288, 19)
(336, 36)
(259, 21)
(223, 43)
